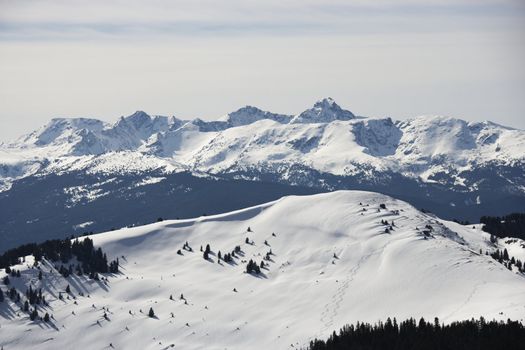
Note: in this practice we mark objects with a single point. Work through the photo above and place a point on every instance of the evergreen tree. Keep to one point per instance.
(34, 315)
(40, 275)
(249, 266)
(46, 317)
(252, 267)
(1, 295)
(151, 313)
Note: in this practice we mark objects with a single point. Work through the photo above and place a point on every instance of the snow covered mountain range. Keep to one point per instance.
(454, 168)
(333, 261)
(324, 138)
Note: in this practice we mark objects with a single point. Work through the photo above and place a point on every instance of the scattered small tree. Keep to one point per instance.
(34, 315)
(252, 267)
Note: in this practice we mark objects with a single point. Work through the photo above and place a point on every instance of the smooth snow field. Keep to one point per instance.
(332, 264)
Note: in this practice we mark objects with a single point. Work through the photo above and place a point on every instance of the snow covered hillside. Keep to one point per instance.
(333, 261)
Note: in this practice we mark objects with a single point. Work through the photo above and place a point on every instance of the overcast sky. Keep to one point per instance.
(204, 59)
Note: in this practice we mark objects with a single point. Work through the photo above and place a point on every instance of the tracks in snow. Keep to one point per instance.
(331, 309)
(467, 300)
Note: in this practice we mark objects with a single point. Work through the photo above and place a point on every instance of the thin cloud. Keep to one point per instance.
(77, 20)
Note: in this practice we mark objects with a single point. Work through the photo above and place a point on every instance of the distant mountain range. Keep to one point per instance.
(455, 168)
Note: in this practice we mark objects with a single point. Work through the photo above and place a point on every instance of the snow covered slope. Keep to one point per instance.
(332, 264)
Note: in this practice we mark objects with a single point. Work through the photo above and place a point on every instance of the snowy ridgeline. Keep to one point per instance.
(324, 138)
(328, 260)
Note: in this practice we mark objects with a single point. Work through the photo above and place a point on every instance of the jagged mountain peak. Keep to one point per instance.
(326, 102)
(323, 111)
(61, 127)
(139, 115)
(137, 119)
(248, 109)
(250, 114)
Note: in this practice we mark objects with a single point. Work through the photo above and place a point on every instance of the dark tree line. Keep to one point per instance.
(503, 258)
(512, 225)
(409, 334)
(63, 250)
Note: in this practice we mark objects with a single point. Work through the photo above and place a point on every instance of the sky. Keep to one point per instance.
(188, 58)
